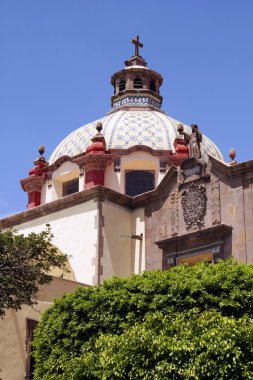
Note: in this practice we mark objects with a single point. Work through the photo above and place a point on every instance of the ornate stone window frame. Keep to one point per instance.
(214, 240)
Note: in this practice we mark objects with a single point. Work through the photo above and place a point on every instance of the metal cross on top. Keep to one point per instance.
(137, 45)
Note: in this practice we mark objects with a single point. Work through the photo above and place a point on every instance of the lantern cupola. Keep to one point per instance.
(136, 86)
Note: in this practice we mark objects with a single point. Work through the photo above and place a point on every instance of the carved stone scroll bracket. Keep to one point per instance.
(193, 169)
(193, 203)
(215, 200)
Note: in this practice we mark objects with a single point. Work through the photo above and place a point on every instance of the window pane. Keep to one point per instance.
(192, 260)
(122, 85)
(137, 82)
(152, 86)
(139, 181)
(70, 187)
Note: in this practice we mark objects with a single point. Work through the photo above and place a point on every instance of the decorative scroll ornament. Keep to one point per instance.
(194, 205)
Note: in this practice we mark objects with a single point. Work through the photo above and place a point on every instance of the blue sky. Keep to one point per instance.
(57, 57)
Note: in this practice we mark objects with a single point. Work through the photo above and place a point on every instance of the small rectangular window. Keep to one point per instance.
(137, 82)
(194, 259)
(139, 181)
(70, 187)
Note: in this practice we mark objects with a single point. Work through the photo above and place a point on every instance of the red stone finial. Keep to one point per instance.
(40, 163)
(41, 150)
(41, 159)
(98, 145)
(180, 144)
(180, 129)
(181, 148)
(99, 126)
(96, 159)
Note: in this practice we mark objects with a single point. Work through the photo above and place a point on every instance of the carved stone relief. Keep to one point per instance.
(174, 214)
(192, 169)
(215, 198)
(194, 205)
(162, 230)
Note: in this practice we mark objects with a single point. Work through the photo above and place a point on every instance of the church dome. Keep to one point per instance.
(123, 129)
(136, 117)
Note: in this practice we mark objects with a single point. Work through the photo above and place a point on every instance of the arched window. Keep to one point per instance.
(137, 82)
(152, 86)
(139, 181)
(122, 85)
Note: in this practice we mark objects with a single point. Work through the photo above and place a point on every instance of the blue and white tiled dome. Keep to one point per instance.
(123, 129)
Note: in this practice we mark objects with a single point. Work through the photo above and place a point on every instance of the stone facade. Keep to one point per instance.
(226, 225)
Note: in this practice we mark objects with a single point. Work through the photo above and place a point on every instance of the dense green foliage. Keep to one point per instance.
(25, 264)
(185, 323)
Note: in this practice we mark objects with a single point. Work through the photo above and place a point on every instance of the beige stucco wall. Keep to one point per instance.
(52, 189)
(66, 172)
(75, 233)
(46, 193)
(117, 249)
(138, 228)
(13, 329)
(112, 179)
(122, 255)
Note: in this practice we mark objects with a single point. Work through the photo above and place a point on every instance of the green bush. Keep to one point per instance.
(185, 323)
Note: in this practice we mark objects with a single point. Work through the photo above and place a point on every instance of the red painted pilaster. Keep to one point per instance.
(33, 185)
(94, 177)
(34, 199)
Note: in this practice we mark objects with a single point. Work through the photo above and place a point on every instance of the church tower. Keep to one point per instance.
(131, 191)
(135, 189)
(121, 167)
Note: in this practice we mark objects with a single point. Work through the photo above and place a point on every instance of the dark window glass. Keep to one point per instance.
(137, 82)
(152, 86)
(70, 187)
(139, 181)
(122, 85)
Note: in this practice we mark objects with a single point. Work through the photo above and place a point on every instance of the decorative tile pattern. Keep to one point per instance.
(123, 129)
(137, 101)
